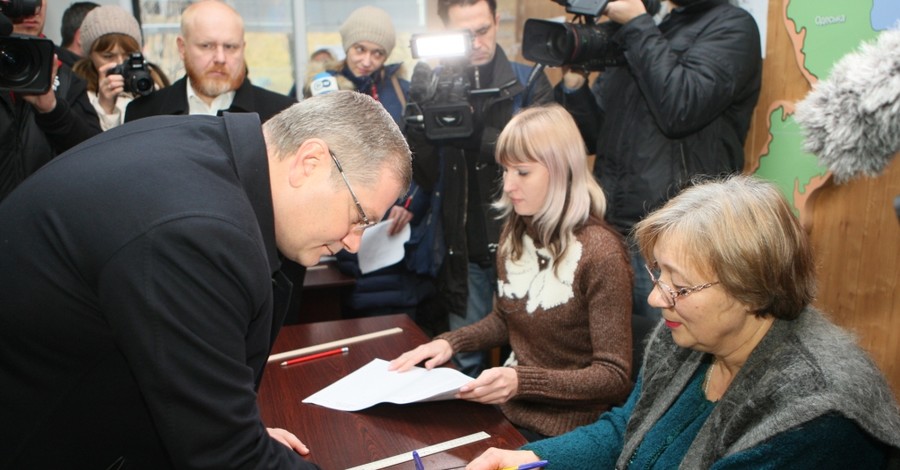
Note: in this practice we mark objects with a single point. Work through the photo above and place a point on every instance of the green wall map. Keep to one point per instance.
(822, 31)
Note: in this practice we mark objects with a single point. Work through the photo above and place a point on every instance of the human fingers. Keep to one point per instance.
(289, 439)
(436, 352)
(495, 458)
(494, 386)
(623, 11)
(399, 217)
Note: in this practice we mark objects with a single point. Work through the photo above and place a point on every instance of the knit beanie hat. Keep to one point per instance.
(368, 24)
(107, 19)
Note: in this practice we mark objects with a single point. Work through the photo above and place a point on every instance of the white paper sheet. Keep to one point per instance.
(378, 249)
(373, 383)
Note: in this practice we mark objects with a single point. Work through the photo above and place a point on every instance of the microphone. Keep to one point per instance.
(851, 120)
(322, 83)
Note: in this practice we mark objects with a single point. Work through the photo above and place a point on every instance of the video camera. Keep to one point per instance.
(586, 45)
(439, 99)
(136, 72)
(26, 63)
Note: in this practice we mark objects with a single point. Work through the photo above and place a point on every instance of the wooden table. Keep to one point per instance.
(340, 439)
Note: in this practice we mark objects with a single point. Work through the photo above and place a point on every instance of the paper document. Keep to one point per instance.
(379, 249)
(373, 383)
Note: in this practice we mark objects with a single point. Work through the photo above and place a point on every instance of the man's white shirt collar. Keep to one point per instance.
(196, 105)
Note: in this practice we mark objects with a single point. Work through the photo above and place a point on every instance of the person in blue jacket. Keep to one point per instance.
(368, 37)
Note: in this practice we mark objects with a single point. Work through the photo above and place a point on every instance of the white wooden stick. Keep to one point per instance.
(333, 344)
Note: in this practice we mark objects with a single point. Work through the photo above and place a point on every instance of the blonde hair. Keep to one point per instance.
(548, 135)
(741, 230)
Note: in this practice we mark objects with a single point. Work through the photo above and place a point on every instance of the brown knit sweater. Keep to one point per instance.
(570, 335)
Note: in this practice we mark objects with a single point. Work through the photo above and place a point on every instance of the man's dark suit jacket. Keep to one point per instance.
(173, 100)
(247, 99)
(140, 294)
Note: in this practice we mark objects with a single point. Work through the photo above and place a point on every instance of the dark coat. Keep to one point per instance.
(248, 98)
(681, 106)
(29, 139)
(141, 296)
(469, 169)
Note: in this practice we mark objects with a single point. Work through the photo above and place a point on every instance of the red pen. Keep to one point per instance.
(298, 360)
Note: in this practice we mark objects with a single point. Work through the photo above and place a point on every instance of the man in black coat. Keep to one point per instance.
(211, 46)
(35, 128)
(471, 177)
(140, 280)
(678, 108)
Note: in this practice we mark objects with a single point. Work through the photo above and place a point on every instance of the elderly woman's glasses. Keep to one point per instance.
(673, 294)
(366, 223)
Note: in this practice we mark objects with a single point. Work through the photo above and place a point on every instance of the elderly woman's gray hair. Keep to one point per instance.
(741, 230)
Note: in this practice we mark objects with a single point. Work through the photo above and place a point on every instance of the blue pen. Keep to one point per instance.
(528, 466)
(418, 461)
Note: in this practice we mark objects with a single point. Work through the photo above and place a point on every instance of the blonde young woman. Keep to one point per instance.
(109, 35)
(564, 288)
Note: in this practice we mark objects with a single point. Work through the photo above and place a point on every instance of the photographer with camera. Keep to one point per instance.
(470, 174)
(44, 108)
(113, 66)
(679, 106)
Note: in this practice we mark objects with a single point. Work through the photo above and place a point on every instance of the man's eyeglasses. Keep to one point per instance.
(366, 223)
(673, 294)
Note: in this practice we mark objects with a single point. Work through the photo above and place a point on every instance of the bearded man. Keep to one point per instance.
(211, 46)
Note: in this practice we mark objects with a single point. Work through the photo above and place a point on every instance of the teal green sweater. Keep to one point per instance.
(830, 441)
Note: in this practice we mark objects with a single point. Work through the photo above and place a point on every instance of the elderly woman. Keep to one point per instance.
(742, 372)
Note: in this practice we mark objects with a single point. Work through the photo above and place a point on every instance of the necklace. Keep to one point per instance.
(708, 375)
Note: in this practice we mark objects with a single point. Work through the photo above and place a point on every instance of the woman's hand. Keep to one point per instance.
(437, 352)
(109, 87)
(494, 386)
(400, 217)
(495, 458)
(289, 439)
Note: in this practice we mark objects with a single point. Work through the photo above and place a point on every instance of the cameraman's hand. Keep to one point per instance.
(109, 87)
(623, 11)
(574, 80)
(46, 102)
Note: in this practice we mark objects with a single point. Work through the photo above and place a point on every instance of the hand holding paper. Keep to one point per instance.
(373, 383)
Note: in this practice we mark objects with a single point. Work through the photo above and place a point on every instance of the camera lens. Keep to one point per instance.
(17, 65)
(143, 85)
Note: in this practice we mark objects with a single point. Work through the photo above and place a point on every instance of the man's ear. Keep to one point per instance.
(179, 41)
(310, 159)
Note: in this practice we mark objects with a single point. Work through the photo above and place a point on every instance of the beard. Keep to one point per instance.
(213, 87)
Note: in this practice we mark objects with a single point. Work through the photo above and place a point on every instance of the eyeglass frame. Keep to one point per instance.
(670, 293)
(366, 223)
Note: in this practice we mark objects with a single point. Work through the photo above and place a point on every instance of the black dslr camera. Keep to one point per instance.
(586, 45)
(26, 63)
(439, 99)
(136, 72)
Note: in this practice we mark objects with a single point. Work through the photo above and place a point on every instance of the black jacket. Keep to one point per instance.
(248, 98)
(141, 295)
(472, 178)
(29, 139)
(681, 106)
